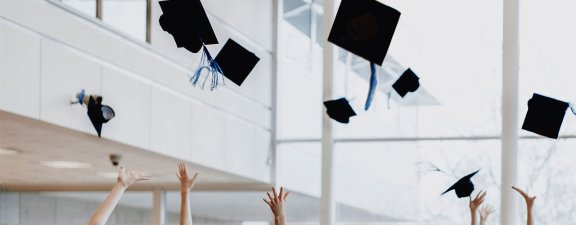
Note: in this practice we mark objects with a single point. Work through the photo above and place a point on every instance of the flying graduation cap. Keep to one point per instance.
(236, 62)
(188, 24)
(365, 28)
(98, 113)
(339, 110)
(407, 82)
(545, 115)
(463, 187)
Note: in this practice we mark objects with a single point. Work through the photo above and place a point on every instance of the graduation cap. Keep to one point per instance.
(236, 62)
(98, 113)
(408, 82)
(339, 110)
(545, 115)
(365, 28)
(188, 23)
(463, 187)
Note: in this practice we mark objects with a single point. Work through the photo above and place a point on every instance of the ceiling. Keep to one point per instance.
(37, 141)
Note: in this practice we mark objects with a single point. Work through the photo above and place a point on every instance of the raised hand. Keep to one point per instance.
(276, 202)
(529, 203)
(485, 211)
(476, 202)
(128, 178)
(186, 182)
(125, 179)
(529, 200)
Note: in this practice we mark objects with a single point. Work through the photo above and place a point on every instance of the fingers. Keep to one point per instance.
(286, 195)
(275, 195)
(270, 197)
(194, 177)
(483, 195)
(519, 191)
(267, 202)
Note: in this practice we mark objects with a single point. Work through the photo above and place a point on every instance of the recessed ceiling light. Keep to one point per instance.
(66, 164)
(8, 151)
(109, 175)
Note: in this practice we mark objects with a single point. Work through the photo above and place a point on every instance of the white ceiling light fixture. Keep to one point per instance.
(66, 164)
(8, 151)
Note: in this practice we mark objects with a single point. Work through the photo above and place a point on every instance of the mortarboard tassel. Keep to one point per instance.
(79, 97)
(373, 85)
(213, 71)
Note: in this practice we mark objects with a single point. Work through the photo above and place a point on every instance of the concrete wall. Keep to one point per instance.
(47, 54)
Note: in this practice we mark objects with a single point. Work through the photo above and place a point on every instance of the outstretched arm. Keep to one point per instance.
(484, 213)
(276, 204)
(186, 183)
(474, 204)
(529, 203)
(125, 179)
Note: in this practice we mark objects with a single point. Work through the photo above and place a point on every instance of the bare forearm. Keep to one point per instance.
(103, 212)
(185, 214)
(529, 219)
(472, 217)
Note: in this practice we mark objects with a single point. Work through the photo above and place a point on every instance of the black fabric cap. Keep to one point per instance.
(408, 82)
(236, 62)
(188, 23)
(365, 28)
(339, 110)
(545, 115)
(98, 113)
(464, 187)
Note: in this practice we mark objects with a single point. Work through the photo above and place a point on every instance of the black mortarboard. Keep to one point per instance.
(545, 115)
(408, 82)
(236, 62)
(339, 110)
(464, 187)
(365, 28)
(98, 113)
(188, 23)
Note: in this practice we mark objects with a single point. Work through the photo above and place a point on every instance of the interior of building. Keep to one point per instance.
(481, 66)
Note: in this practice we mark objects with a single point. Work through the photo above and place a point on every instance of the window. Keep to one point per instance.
(129, 17)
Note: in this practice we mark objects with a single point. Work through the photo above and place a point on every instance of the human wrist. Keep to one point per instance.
(120, 185)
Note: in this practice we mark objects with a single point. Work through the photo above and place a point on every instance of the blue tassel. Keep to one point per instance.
(213, 71)
(373, 85)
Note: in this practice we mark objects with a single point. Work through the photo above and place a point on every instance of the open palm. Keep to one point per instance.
(186, 182)
(129, 177)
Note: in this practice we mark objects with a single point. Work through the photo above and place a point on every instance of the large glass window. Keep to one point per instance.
(128, 16)
(387, 182)
(546, 67)
(87, 7)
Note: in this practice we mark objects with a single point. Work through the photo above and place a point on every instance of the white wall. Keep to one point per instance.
(47, 54)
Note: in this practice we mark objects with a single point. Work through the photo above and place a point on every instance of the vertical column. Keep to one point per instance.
(99, 9)
(159, 208)
(149, 21)
(329, 58)
(510, 70)
(278, 10)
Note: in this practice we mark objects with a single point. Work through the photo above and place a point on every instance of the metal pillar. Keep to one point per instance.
(510, 71)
